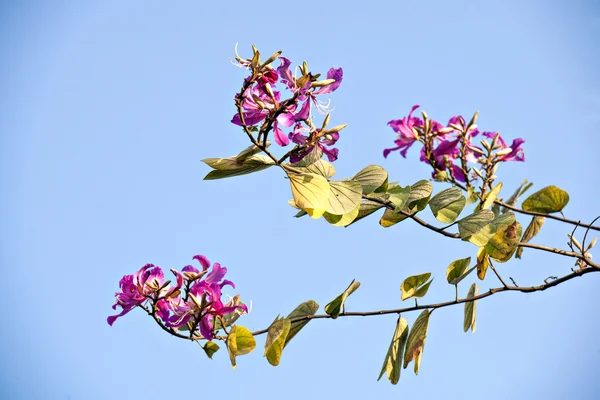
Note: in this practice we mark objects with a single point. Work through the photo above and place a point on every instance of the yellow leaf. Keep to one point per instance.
(311, 193)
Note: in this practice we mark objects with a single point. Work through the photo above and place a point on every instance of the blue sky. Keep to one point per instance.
(108, 108)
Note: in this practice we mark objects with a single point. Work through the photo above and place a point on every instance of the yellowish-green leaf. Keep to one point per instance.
(447, 205)
(532, 229)
(486, 231)
(320, 167)
(228, 167)
(503, 244)
(250, 151)
(415, 286)
(456, 270)
(420, 193)
(334, 308)
(473, 224)
(344, 196)
(483, 261)
(239, 342)
(371, 178)
(342, 220)
(276, 337)
(393, 359)
(311, 193)
(547, 200)
(390, 218)
(470, 308)
(210, 348)
(492, 195)
(366, 208)
(399, 197)
(416, 340)
(472, 195)
(307, 308)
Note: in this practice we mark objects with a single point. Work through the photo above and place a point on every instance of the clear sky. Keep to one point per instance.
(108, 108)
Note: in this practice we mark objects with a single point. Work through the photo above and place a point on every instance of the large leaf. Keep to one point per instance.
(415, 286)
(456, 270)
(533, 229)
(492, 195)
(367, 208)
(416, 341)
(447, 205)
(470, 308)
(232, 166)
(371, 178)
(393, 359)
(399, 196)
(344, 196)
(390, 218)
(335, 306)
(342, 220)
(305, 309)
(420, 193)
(503, 244)
(478, 232)
(276, 337)
(239, 342)
(473, 224)
(311, 193)
(320, 167)
(547, 200)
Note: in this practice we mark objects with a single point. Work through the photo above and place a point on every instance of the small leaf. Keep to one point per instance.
(300, 213)
(229, 167)
(342, 220)
(547, 200)
(472, 195)
(503, 244)
(416, 341)
(371, 178)
(399, 196)
(276, 337)
(415, 286)
(210, 348)
(239, 342)
(483, 262)
(447, 205)
(492, 195)
(390, 218)
(486, 231)
(335, 306)
(470, 308)
(456, 270)
(393, 359)
(344, 196)
(307, 308)
(512, 200)
(311, 193)
(420, 193)
(533, 229)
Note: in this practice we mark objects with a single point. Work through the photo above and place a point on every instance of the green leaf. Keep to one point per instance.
(456, 270)
(470, 308)
(342, 220)
(239, 342)
(399, 196)
(307, 308)
(300, 213)
(473, 224)
(344, 196)
(228, 167)
(335, 306)
(503, 244)
(311, 158)
(366, 208)
(492, 195)
(320, 167)
(483, 261)
(210, 348)
(533, 229)
(512, 200)
(420, 193)
(415, 286)
(393, 359)
(416, 341)
(472, 195)
(311, 193)
(276, 336)
(486, 231)
(447, 205)
(547, 200)
(371, 178)
(390, 218)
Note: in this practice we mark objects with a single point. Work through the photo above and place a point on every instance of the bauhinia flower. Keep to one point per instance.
(315, 139)
(407, 134)
(514, 152)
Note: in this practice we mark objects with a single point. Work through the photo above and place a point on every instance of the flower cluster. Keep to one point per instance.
(449, 148)
(261, 102)
(193, 304)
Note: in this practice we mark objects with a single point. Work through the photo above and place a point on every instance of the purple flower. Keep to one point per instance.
(313, 140)
(407, 135)
(516, 152)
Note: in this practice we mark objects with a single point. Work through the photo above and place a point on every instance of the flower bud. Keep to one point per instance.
(271, 59)
(473, 120)
(592, 244)
(322, 83)
(326, 121)
(504, 152)
(575, 242)
(485, 144)
(336, 128)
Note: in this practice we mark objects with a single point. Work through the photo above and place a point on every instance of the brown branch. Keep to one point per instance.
(550, 216)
